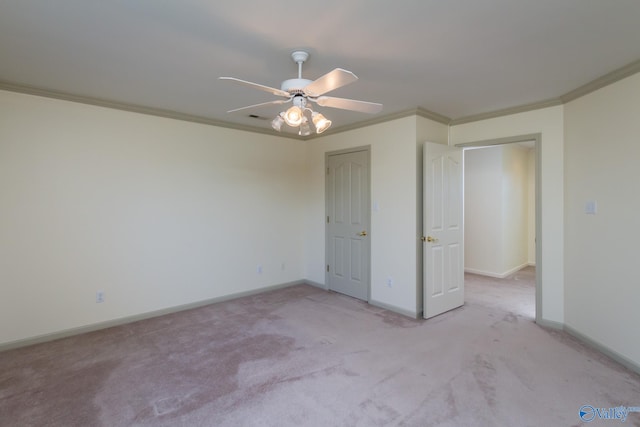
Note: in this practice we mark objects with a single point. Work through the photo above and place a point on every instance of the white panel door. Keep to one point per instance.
(443, 232)
(348, 224)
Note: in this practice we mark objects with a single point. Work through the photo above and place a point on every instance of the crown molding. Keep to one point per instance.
(507, 111)
(602, 81)
(366, 123)
(32, 90)
(583, 90)
(422, 112)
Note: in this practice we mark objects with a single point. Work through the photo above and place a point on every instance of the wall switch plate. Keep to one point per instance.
(389, 282)
(259, 269)
(591, 207)
(99, 297)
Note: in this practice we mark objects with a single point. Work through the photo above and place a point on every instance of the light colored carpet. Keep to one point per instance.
(302, 356)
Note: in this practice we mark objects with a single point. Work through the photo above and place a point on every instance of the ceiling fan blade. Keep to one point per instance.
(267, 89)
(330, 81)
(349, 104)
(276, 102)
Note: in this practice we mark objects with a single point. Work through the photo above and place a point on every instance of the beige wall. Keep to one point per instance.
(160, 213)
(602, 151)
(394, 226)
(496, 210)
(531, 207)
(514, 209)
(483, 211)
(155, 212)
(549, 123)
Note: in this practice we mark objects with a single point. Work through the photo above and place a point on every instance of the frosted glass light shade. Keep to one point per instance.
(304, 129)
(320, 122)
(277, 122)
(293, 116)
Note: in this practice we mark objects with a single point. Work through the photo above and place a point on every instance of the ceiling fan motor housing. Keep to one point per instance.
(294, 85)
(300, 101)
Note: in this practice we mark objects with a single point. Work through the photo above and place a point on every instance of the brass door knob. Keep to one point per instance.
(429, 239)
(362, 233)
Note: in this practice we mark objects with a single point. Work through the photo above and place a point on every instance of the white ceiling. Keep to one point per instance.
(456, 58)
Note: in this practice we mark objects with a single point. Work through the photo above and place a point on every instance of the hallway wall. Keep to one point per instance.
(496, 209)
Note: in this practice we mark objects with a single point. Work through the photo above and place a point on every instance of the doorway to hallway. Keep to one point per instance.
(514, 294)
(500, 217)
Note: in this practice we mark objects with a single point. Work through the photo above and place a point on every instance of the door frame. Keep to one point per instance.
(537, 138)
(363, 148)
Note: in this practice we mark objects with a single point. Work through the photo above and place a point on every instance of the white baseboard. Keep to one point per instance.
(550, 324)
(623, 360)
(316, 284)
(375, 303)
(482, 273)
(496, 275)
(395, 309)
(136, 317)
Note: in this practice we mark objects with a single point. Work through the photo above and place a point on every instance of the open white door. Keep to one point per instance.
(443, 225)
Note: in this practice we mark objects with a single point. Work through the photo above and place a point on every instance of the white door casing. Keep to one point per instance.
(348, 219)
(443, 232)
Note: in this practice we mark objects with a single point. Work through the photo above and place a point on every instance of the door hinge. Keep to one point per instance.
(327, 268)
(328, 171)
(327, 219)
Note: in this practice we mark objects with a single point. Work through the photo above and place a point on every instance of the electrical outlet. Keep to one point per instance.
(389, 282)
(259, 269)
(99, 297)
(283, 266)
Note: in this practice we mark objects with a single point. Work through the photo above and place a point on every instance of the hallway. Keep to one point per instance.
(515, 293)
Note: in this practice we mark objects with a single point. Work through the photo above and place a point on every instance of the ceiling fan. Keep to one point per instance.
(300, 92)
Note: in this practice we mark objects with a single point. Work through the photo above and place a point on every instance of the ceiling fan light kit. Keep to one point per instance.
(277, 122)
(301, 91)
(320, 122)
(293, 116)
